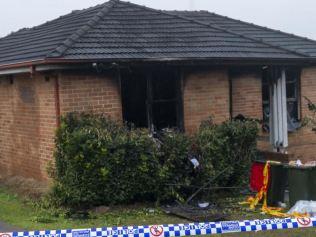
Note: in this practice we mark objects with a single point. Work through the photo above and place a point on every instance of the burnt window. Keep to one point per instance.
(134, 96)
(164, 100)
(292, 96)
(152, 98)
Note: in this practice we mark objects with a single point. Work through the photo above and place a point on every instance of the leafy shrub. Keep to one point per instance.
(100, 162)
(228, 147)
(176, 171)
(310, 119)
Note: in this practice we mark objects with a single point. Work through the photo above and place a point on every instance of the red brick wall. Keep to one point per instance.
(247, 95)
(91, 93)
(5, 125)
(308, 88)
(27, 124)
(28, 116)
(28, 112)
(205, 94)
(302, 144)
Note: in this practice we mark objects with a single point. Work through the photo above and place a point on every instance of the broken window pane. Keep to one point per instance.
(292, 92)
(151, 98)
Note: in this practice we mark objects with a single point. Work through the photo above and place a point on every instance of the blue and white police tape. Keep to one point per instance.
(173, 230)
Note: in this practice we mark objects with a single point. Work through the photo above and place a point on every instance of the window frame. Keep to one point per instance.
(266, 101)
(149, 75)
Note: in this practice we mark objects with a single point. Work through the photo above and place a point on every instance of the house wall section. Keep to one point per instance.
(28, 116)
(28, 111)
(88, 92)
(6, 118)
(247, 100)
(302, 144)
(27, 125)
(205, 95)
(247, 95)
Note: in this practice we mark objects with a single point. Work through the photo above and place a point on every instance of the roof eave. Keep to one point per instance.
(27, 65)
(219, 60)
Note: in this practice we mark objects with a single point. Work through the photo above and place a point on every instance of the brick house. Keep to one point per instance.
(150, 67)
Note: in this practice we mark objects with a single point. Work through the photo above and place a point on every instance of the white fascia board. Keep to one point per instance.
(15, 71)
(39, 68)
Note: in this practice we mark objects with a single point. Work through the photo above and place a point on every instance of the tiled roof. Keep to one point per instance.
(119, 30)
(274, 37)
(36, 43)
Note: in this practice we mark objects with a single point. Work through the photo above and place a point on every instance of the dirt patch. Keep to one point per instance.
(25, 187)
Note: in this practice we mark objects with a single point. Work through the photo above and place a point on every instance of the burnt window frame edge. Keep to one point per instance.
(180, 101)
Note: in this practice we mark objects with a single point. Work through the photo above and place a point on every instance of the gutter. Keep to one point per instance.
(59, 64)
(16, 69)
(21, 64)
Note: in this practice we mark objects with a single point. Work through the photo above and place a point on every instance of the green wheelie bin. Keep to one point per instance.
(277, 184)
(312, 184)
(299, 183)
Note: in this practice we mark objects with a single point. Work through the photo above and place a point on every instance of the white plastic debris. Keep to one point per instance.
(310, 164)
(295, 163)
(151, 210)
(282, 204)
(203, 204)
(303, 207)
(195, 163)
(299, 163)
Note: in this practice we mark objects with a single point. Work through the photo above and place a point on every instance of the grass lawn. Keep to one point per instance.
(27, 216)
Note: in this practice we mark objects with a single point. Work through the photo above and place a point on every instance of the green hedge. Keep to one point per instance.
(100, 162)
(229, 146)
(175, 167)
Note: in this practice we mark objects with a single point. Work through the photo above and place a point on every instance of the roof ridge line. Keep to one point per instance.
(219, 28)
(263, 27)
(67, 43)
